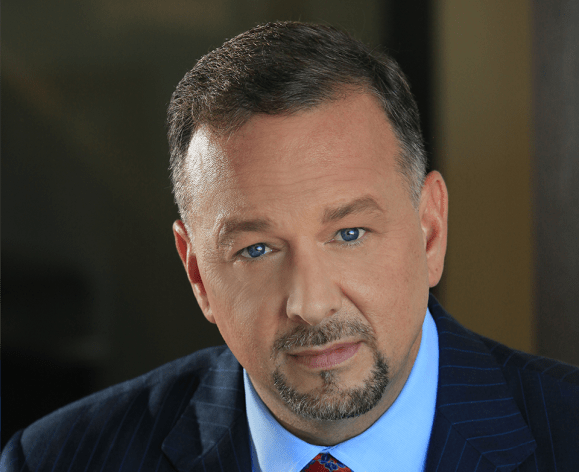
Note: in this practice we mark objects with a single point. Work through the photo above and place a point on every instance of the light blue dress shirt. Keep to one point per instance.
(398, 440)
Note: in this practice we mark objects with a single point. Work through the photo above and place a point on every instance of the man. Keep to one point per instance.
(310, 235)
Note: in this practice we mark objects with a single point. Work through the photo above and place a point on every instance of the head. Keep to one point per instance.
(307, 221)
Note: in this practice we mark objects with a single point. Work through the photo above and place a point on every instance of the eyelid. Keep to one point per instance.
(362, 231)
(268, 249)
(244, 254)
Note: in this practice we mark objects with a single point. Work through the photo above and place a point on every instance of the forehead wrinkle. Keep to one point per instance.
(359, 205)
(234, 226)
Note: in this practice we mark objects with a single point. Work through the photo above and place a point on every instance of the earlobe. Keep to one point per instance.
(189, 259)
(434, 220)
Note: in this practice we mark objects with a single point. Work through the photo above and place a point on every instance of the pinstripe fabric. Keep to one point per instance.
(497, 410)
(188, 415)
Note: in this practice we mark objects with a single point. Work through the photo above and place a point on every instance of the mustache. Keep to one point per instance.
(313, 336)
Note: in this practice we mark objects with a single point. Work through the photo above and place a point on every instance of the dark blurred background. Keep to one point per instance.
(94, 292)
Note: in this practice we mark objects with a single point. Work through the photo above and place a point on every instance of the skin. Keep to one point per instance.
(291, 171)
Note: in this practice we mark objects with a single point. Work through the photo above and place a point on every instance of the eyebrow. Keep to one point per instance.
(360, 205)
(233, 227)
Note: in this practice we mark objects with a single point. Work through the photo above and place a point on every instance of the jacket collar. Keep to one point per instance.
(477, 418)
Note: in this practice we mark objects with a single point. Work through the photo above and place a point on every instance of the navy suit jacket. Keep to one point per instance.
(496, 409)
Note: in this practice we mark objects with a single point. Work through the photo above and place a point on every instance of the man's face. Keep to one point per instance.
(304, 238)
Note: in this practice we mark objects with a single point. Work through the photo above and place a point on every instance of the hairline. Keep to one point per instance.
(225, 129)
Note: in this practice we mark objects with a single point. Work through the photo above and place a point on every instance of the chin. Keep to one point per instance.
(331, 401)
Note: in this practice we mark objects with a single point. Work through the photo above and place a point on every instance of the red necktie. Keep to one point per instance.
(325, 462)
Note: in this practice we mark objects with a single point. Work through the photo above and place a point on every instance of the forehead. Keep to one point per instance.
(273, 158)
(321, 135)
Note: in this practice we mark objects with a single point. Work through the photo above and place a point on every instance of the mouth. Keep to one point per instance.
(326, 358)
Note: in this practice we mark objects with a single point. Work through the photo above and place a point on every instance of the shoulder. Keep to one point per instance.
(545, 391)
(148, 405)
(524, 365)
(179, 377)
(540, 384)
(547, 394)
(514, 364)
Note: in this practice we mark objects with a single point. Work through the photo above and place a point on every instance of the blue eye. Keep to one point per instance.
(255, 250)
(349, 234)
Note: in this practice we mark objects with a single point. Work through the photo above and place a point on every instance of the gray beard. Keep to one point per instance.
(330, 402)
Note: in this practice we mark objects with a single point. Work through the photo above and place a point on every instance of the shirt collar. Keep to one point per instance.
(398, 440)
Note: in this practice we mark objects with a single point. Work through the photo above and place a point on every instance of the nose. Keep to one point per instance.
(313, 292)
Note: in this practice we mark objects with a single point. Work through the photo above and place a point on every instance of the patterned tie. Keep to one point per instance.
(325, 462)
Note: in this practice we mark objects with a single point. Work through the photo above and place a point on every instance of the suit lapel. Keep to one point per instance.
(212, 433)
(478, 425)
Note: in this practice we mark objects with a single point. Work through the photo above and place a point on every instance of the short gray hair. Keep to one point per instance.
(282, 68)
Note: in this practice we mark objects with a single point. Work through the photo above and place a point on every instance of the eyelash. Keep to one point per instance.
(354, 243)
(252, 259)
(348, 244)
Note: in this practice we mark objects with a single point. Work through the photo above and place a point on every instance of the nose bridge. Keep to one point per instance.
(313, 292)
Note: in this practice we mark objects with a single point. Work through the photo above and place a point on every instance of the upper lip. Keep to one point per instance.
(318, 352)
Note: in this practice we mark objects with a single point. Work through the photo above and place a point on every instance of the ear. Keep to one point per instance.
(434, 220)
(189, 259)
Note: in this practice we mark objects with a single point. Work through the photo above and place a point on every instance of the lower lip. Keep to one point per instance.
(329, 358)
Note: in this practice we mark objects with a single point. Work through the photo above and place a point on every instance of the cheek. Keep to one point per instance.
(245, 313)
(378, 278)
(389, 286)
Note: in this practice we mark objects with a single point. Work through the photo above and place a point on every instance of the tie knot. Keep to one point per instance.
(325, 462)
